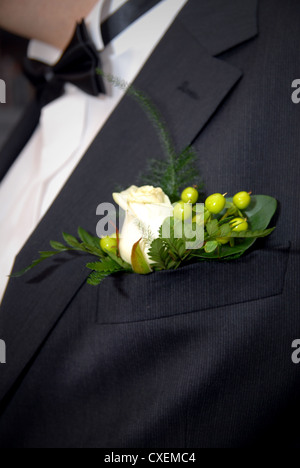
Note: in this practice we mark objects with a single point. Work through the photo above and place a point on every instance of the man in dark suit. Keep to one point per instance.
(201, 356)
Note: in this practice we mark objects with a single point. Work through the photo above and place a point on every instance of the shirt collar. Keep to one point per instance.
(46, 53)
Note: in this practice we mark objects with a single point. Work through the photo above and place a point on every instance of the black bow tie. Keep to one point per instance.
(80, 60)
(77, 66)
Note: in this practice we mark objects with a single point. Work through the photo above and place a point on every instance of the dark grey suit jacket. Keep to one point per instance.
(199, 357)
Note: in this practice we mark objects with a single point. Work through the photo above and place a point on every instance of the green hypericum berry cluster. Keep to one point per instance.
(216, 204)
(224, 220)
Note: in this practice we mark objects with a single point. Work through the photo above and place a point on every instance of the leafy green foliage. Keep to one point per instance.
(140, 264)
(105, 265)
(251, 234)
(259, 215)
(96, 278)
(211, 246)
(170, 252)
(224, 230)
(71, 240)
(43, 256)
(178, 169)
(212, 228)
(173, 174)
(174, 243)
(89, 240)
(102, 270)
(162, 257)
(158, 254)
(58, 246)
(108, 264)
(119, 261)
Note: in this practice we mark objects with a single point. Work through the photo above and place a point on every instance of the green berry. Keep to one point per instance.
(223, 240)
(242, 200)
(215, 203)
(239, 225)
(109, 244)
(183, 211)
(190, 195)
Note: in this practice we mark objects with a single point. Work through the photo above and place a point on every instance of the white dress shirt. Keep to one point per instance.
(69, 125)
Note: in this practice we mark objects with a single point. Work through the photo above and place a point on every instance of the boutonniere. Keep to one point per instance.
(167, 221)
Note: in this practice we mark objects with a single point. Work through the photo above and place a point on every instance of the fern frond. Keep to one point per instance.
(96, 278)
(178, 170)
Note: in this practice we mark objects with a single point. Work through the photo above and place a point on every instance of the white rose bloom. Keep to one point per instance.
(146, 210)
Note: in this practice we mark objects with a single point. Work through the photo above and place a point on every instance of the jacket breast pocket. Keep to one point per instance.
(128, 298)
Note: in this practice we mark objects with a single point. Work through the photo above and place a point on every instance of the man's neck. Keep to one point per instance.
(49, 22)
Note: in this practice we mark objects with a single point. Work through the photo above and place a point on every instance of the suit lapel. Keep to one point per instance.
(187, 96)
(220, 25)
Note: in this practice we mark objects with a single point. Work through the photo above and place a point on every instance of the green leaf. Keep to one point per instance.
(58, 246)
(226, 220)
(181, 248)
(25, 270)
(139, 262)
(158, 255)
(175, 246)
(213, 228)
(88, 246)
(96, 278)
(251, 234)
(119, 261)
(261, 211)
(225, 230)
(228, 205)
(43, 256)
(107, 265)
(71, 240)
(88, 239)
(211, 246)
